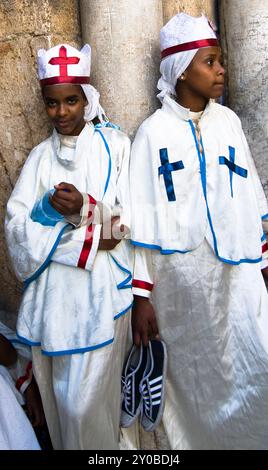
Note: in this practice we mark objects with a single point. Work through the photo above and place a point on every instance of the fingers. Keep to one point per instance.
(65, 186)
(58, 207)
(145, 338)
(137, 338)
(154, 328)
(67, 203)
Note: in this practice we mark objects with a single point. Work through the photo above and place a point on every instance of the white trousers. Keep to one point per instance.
(81, 394)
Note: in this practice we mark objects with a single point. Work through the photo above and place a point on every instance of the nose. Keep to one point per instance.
(61, 111)
(221, 70)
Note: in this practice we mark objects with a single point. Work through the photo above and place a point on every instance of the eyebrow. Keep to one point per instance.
(55, 99)
(210, 54)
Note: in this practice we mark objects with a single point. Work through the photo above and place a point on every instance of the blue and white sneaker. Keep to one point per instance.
(132, 374)
(152, 386)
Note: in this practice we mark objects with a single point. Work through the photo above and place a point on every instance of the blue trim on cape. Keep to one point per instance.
(77, 350)
(47, 261)
(27, 341)
(263, 237)
(124, 311)
(265, 216)
(157, 247)
(170, 252)
(109, 163)
(124, 284)
(202, 161)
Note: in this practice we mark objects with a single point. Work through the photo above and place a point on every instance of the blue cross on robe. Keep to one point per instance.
(165, 169)
(233, 168)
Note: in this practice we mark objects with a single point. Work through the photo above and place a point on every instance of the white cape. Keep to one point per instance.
(67, 309)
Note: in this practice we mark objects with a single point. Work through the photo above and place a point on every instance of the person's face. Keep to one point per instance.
(204, 77)
(65, 107)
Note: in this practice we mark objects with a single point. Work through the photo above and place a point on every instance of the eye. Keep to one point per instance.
(210, 61)
(72, 100)
(51, 103)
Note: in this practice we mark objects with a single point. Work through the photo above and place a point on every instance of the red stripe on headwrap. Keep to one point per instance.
(67, 79)
(188, 46)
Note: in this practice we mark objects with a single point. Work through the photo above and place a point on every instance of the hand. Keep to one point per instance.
(34, 405)
(144, 325)
(8, 354)
(111, 234)
(265, 273)
(67, 200)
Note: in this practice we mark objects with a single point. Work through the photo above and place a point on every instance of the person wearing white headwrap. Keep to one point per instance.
(63, 230)
(197, 207)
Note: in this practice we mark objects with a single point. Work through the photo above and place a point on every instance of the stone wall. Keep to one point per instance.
(25, 26)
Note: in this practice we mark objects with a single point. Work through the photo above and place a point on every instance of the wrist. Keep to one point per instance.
(140, 298)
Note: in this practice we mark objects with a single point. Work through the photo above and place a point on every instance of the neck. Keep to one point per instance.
(190, 100)
(195, 106)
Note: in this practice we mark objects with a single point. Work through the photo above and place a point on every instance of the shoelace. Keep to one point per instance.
(144, 391)
(126, 389)
(149, 397)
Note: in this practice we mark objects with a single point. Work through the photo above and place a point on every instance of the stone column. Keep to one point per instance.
(25, 26)
(196, 8)
(124, 36)
(244, 29)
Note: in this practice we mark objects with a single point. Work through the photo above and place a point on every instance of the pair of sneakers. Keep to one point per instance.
(143, 385)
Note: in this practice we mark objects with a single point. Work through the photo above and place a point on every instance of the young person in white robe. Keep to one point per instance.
(197, 212)
(65, 223)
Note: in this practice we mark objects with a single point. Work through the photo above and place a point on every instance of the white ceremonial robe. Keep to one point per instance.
(16, 431)
(199, 261)
(73, 293)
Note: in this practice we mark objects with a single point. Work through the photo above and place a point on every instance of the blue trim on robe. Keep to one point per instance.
(27, 341)
(124, 284)
(263, 237)
(157, 247)
(109, 163)
(265, 216)
(77, 350)
(123, 311)
(107, 124)
(47, 261)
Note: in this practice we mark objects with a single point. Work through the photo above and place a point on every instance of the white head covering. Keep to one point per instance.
(65, 64)
(180, 40)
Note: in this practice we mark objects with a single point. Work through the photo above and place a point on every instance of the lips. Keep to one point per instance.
(63, 123)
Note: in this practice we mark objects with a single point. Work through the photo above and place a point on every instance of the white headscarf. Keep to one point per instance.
(94, 107)
(181, 30)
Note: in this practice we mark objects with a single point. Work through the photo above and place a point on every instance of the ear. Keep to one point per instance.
(182, 77)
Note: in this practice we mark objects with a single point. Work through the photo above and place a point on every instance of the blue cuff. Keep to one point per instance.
(44, 213)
